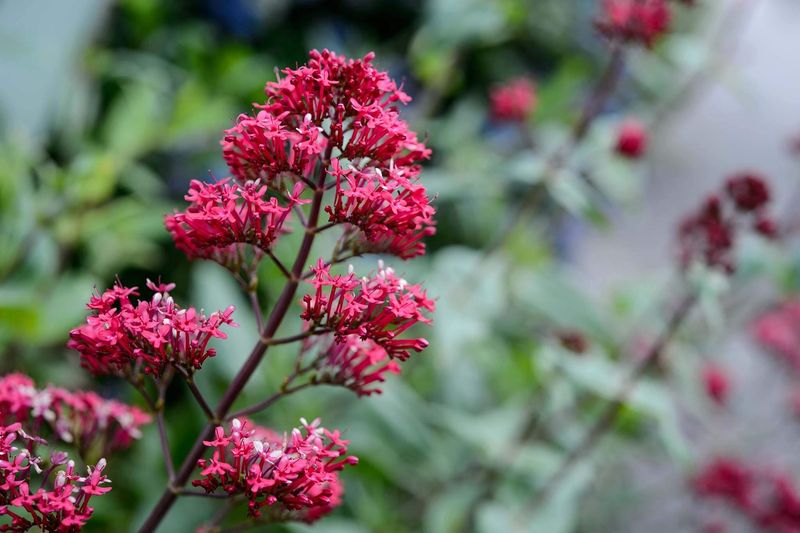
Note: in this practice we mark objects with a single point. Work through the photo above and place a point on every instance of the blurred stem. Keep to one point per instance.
(593, 106)
(611, 412)
(276, 316)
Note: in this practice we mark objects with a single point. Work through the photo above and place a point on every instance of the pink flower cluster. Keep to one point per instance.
(121, 336)
(769, 499)
(710, 234)
(514, 100)
(329, 110)
(296, 476)
(379, 308)
(52, 497)
(223, 215)
(81, 418)
(390, 207)
(778, 330)
(640, 21)
(352, 362)
(716, 382)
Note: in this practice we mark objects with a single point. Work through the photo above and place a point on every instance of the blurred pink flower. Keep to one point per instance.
(641, 21)
(514, 100)
(716, 383)
(631, 139)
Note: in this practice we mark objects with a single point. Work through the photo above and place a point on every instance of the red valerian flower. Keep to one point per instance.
(514, 100)
(769, 499)
(352, 362)
(55, 499)
(336, 109)
(82, 418)
(716, 383)
(778, 330)
(710, 234)
(120, 334)
(379, 308)
(631, 139)
(290, 477)
(223, 215)
(641, 21)
(391, 208)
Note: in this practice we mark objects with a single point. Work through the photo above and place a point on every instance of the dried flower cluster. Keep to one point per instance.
(48, 495)
(81, 418)
(514, 100)
(294, 476)
(769, 499)
(709, 236)
(121, 336)
(378, 308)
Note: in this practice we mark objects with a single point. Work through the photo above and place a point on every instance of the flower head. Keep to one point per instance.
(778, 330)
(120, 334)
(61, 501)
(716, 382)
(631, 139)
(639, 21)
(514, 100)
(289, 477)
(82, 418)
(379, 308)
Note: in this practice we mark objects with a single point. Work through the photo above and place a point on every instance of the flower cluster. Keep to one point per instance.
(60, 501)
(296, 476)
(770, 500)
(333, 109)
(81, 418)
(710, 234)
(778, 330)
(631, 139)
(223, 215)
(639, 21)
(391, 208)
(120, 335)
(514, 100)
(352, 362)
(379, 308)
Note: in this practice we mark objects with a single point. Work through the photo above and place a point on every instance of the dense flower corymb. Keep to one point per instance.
(121, 334)
(223, 215)
(49, 496)
(352, 362)
(514, 100)
(709, 236)
(82, 418)
(290, 477)
(379, 308)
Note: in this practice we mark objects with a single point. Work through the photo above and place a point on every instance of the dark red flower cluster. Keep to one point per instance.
(514, 100)
(710, 235)
(49, 496)
(391, 208)
(296, 477)
(379, 308)
(334, 109)
(770, 500)
(640, 21)
(81, 418)
(121, 336)
(778, 330)
(223, 215)
(631, 139)
(352, 362)
(716, 382)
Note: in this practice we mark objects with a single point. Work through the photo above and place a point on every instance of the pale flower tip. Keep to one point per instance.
(101, 464)
(350, 268)
(236, 424)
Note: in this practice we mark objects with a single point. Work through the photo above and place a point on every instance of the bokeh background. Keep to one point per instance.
(108, 109)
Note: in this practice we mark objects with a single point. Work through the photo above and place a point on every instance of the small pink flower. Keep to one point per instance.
(515, 100)
(641, 21)
(631, 139)
(778, 330)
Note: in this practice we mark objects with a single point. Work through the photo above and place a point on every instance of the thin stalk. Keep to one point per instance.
(276, 316)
